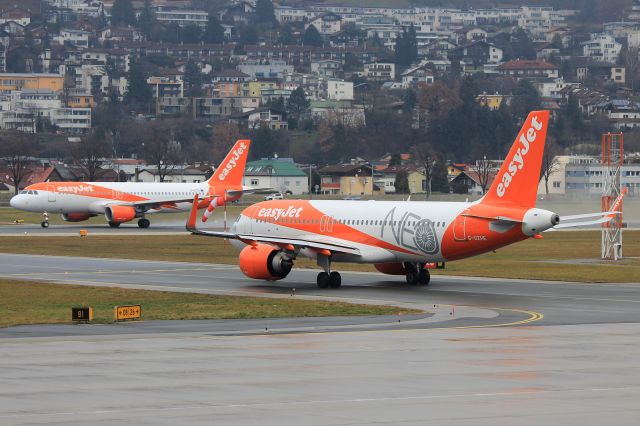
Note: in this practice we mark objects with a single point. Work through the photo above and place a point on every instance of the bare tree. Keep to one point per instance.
(16, 149)
(162, 150)
(427, 159)
(483, 168)
(550, 163)
(89, 154)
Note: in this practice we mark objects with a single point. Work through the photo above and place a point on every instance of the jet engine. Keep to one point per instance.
(264, 262)
(119, 214)
(391, 268)
(76, 217)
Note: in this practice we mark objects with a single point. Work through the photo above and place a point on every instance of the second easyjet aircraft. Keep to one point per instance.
(125, 201)
(400, 238)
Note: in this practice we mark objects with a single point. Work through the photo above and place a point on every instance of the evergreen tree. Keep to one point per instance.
(286, 36)
(147, 19)
(190, 34)
(214, 31)
(402, 182)
(526, 98)
(122, 13)
(193, 79)
(297, 105)
(264, 12)
(312, 37)
(139, 93)
(412, 44)
(523, 46)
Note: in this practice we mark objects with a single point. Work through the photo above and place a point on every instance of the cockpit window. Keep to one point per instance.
(23, 192)
(35, 192)
(30, 192)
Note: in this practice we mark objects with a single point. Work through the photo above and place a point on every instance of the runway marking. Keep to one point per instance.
(364, 400)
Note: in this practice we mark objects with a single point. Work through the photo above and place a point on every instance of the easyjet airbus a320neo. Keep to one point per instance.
(125, 201)
(400, 238)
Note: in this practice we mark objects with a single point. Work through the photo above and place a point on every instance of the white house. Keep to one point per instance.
(417, 75)
(326, 24)
(380, 71)
(76, 38)
(338, 90)
(602, 47)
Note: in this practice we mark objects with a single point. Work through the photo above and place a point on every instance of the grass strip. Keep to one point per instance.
(30, 302)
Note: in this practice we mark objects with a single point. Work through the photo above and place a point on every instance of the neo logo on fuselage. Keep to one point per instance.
(411, 231)
(517, 162)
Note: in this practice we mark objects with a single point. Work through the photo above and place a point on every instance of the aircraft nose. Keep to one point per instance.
(16, 201)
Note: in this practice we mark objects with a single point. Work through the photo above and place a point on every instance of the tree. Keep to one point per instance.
(264, 12)
(483, 169)
(522, 46)
(193, 79)
(435, 101)
(402, 182)
(190, 34)
(147, 19)
(286, 35)
(138, 91)
(16, 149)
(214, 31)
(161, 150)
(122, 13)
(312, 37)
(526, 98)
(297, 105)
(426, 157)
(395, 160)
(550, 163)
(224, 135)
(90, 152)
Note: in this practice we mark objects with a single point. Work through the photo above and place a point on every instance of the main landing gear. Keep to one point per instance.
(328, 278)
(417, 274)
(114, 224)
(144, 223)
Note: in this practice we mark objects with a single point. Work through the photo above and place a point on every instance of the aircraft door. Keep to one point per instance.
(51, 193)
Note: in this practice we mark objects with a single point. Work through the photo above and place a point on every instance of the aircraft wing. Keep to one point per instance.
(234, 192)
(274, 240)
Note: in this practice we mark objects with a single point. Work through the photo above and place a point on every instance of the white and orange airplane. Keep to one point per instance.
(400, 238)
(122, 202)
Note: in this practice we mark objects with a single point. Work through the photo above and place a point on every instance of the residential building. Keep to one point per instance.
(181, 17)
(327, 68)
(338, 112)
(278, 173)
(417, 75)
(20, 81)
(166, 87)
(380, 71)
(494, 101)
(74, 38)
(529, 69)
(326, 23)
(17, 15)
(339, 90)
(271, 70)
(347, 179)
(602, 47)
(272, 118)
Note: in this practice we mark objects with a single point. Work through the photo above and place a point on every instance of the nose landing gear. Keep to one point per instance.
(328, 278)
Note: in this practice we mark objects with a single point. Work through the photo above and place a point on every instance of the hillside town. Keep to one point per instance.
(339, 100)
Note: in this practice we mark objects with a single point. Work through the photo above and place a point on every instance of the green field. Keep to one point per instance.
(534, 259)
(26, 302)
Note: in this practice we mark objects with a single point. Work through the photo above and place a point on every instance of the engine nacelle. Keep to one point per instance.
(391, 268)
(264, 262)
(76, 217)
(120, 214)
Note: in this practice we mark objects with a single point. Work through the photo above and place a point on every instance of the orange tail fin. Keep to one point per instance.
(231, 170)
(517, 181)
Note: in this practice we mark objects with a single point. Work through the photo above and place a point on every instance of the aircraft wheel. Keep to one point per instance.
(424, 276)
(412, 276)
(144, 223)
(335, 280)
(114, 224)
(323, 280)
(44, 224)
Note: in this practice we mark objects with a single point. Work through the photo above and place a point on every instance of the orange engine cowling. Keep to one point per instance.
(264, 262)
(120, 214)
(76, 217)
(391, 268)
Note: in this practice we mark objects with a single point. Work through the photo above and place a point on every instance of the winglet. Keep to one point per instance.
(191, 223)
